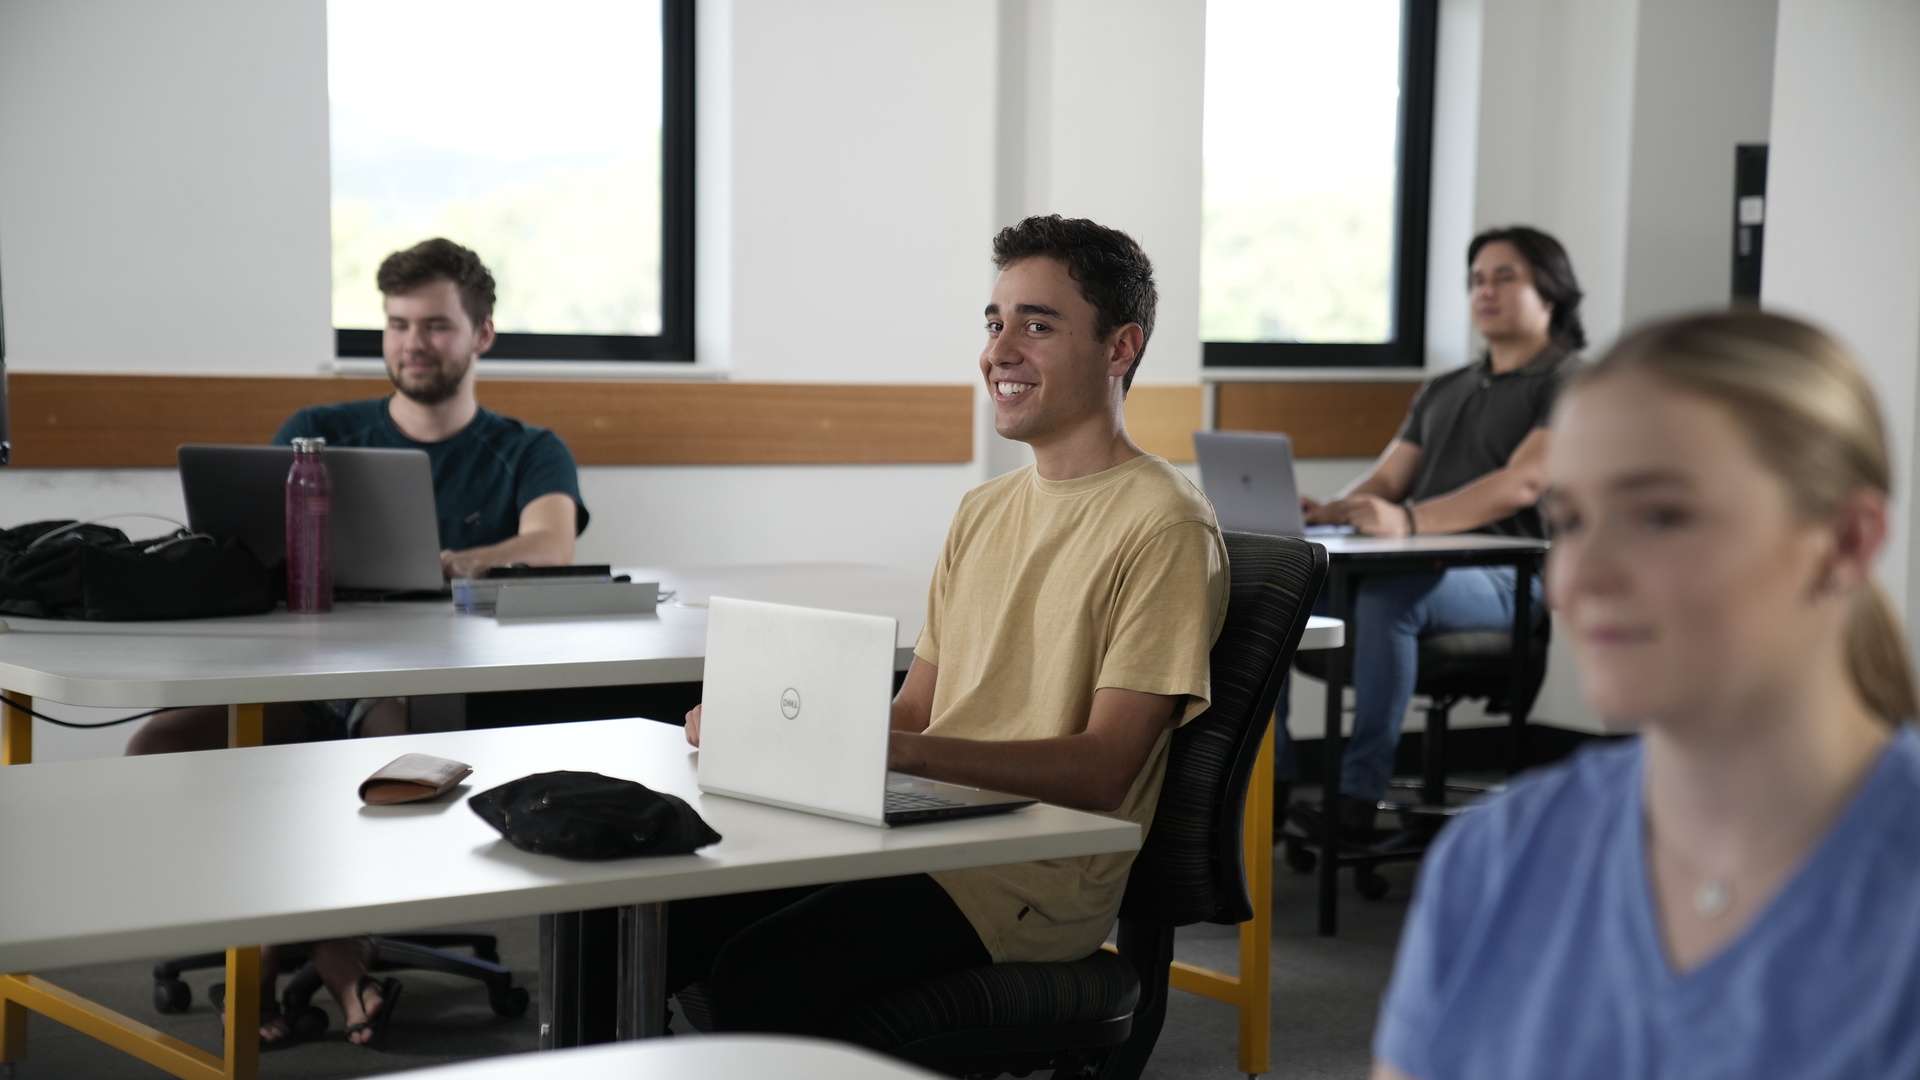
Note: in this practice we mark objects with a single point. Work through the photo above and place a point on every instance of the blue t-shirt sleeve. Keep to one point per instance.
(1410, 1014)
(547, 468)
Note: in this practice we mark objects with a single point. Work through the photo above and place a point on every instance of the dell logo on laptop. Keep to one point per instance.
(790, 703)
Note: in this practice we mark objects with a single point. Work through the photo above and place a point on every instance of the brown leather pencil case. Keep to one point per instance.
(411, 778)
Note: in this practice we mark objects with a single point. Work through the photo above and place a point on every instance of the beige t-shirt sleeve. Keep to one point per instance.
(928, 647)
(1171, 603)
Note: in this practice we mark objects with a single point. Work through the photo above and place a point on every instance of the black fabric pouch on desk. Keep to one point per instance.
(583, 815)
(97, 572)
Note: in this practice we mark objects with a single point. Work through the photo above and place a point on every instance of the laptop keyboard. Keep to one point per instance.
(903, 802)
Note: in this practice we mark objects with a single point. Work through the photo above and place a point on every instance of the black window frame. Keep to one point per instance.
(1419, 43)
(674, 342)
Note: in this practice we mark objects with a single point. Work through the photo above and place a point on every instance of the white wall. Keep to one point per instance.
(164, 186)
(1454, 182)
(1843, 209)
(1085, 134)
(1556, 114)
(1687, 118)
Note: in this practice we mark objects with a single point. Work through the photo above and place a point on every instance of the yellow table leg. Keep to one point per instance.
(1249, 991)
(13, 1027)
(1256, 935)
(16, 748)
(246, 725)
(103, 1025)
(243, 1013)
(16, 729)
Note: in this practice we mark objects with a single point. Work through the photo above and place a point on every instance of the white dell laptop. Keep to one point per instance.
(1248, 476)
(386, 533)
(796, 714)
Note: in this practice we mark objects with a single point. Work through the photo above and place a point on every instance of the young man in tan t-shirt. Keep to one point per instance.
(1068, 629)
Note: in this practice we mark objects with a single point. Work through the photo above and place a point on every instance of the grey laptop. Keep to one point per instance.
(797, 714)
(1249, 477)
(386, 533)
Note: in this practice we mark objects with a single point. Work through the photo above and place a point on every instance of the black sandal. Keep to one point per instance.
(376, 1022)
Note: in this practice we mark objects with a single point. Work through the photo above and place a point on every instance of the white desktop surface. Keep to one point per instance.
(425, 647)
(182, 853)
(707, 1057)
(1323, 632)
(1351, 546)
(422, 647)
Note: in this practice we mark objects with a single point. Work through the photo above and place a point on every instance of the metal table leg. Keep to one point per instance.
(643, 972)
(1340, 604)
(1522, 657)
(560, 973)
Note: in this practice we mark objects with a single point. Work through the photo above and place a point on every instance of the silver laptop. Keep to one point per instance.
(1249, 478)
(797, 711)
(386, 532)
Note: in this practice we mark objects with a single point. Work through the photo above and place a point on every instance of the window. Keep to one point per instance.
(1316, 154)
(554, 139)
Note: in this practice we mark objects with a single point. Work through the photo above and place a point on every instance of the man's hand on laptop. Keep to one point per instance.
(1327, 513)
(693, 726)
(465, 564)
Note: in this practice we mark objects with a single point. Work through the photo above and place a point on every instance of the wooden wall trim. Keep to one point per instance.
(122, 421)
(1162, 419)
(132, 421)
(1352, 419)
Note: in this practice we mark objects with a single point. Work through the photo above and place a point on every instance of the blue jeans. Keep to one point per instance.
(1390, 614)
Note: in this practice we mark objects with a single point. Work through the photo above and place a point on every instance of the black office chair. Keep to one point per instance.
(416, 952)
(1454, 667)
(1101, 1015)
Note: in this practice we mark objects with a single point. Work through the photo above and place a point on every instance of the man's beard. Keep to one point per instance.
(435, 389)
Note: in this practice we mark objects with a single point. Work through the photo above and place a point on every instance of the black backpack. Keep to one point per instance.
(88, 571)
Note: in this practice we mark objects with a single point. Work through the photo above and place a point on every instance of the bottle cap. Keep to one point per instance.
(312, 445)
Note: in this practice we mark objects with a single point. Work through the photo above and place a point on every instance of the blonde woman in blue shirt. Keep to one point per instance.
(1736, 892)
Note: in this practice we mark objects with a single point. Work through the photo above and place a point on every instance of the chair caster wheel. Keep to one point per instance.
(217, 996)
(171, 996)
(1370, 883)
(510, 1003)
(1299, 859)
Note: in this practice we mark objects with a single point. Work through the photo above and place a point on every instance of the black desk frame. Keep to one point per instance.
(1345, 572)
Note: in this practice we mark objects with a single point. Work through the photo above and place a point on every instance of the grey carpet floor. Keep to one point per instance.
(1325, 994)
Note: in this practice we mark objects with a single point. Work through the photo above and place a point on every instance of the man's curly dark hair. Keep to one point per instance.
(440, 259)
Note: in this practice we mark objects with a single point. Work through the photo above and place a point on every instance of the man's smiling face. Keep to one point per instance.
(1045, 368)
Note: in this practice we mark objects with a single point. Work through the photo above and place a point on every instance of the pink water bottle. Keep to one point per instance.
(309, 532)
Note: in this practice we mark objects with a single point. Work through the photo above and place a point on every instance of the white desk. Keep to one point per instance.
(67, 899)
(367, 650)
(422, 647)
(1457, 549)
(360, 650)
(709, 1057)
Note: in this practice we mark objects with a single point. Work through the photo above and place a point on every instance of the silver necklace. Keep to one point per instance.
(1712, 898)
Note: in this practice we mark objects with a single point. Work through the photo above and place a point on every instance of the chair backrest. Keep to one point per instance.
(1189, 868)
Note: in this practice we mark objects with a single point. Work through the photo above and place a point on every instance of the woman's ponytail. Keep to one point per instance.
(1877, 658)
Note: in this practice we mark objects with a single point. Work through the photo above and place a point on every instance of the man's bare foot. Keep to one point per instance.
(275, 1029)
(368, 1008)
